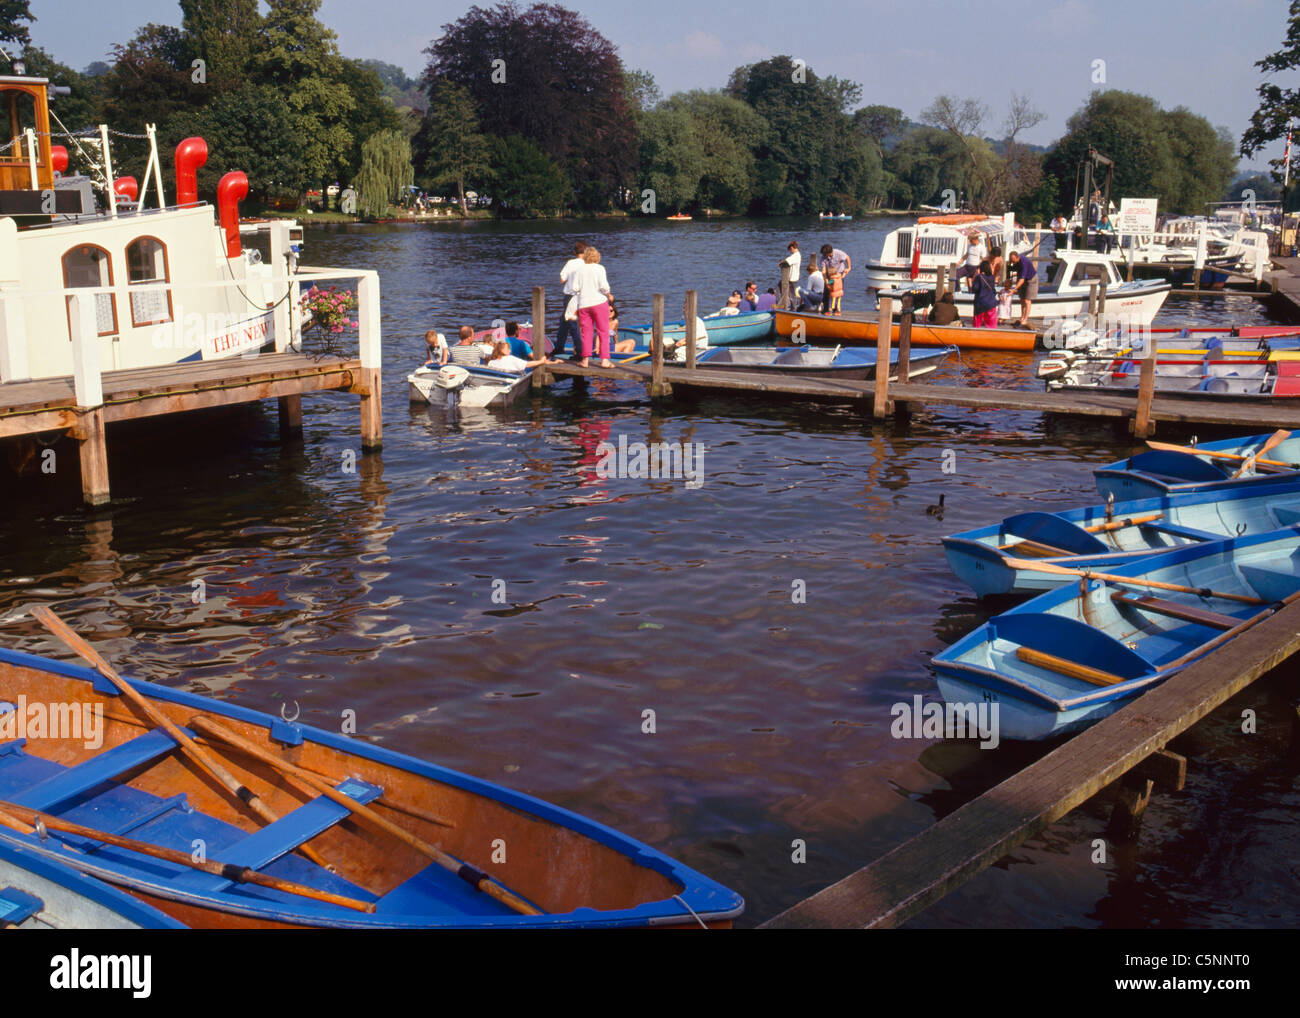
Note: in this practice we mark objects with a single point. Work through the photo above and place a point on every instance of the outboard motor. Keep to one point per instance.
(452, 378)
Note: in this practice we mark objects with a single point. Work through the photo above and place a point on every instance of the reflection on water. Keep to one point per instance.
(479, 596)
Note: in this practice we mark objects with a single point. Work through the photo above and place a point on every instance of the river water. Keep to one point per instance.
(372, 590)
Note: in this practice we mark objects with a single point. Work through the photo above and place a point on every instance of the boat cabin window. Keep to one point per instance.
(1087, 272)
(904, 249)
(19, 108)
(89, 265)
(938, 245)
(146, 263)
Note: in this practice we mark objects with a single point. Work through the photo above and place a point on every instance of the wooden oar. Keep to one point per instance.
(1254, 620)
(1029, 565)
(632, 360)
(474, 877)
(1275, 439)
(1128, 521)
(1071, 668)
(20, 818)
(246, 795)
(1194, 451)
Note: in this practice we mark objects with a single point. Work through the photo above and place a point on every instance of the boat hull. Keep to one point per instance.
(853, 363)
(484, 389)
(723, 330)
(1155, 473)
(862, 329)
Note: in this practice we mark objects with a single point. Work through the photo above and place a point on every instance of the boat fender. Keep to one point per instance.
(126, 187)
(59, 159)
(451, 377)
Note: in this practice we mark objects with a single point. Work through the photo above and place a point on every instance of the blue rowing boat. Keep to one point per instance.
(723, 330)
(1064, 660)
(818, 362)
(1104, 536)
(39, 893)
(353, 828)
(1157, 472)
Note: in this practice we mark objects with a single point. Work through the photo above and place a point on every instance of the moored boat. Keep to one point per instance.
(1067, 658)
(819, 362)
(1102, 536)
(862, 328)
(1259, 460)
(320, 830)
(466, 385)
(941, 240)
(743, 327)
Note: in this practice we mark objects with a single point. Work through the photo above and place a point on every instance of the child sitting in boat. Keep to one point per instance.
(945, 310)
(504, 360)
(620, 345)
(835, 285)
(435, 344)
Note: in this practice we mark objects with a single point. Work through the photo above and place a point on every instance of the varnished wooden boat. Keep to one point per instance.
(861, 328)
(506, 859)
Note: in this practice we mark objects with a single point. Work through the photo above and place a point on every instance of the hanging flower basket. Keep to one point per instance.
(328, 308)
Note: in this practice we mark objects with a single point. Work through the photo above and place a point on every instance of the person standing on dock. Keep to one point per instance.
(568, 326)
(789, 266)
(985, 291)
(591, 288)
(833, 257)
(1059, 226)
(1026, 285)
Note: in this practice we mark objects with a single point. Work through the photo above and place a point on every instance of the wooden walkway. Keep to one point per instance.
(907, 397)
(921, 871)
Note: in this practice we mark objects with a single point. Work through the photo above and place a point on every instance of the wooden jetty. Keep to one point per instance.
(882, 398)
(82, 404)
(1127, 745)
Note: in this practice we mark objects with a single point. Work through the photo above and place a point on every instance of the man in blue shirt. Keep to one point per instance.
(1026, 287)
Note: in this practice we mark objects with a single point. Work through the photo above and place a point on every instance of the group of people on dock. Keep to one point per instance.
(984, 272)
(1101, 232)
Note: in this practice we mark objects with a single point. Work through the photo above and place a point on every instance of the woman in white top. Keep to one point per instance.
(591, 286)
(504, 360)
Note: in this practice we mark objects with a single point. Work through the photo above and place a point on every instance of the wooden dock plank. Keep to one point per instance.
(916, 874)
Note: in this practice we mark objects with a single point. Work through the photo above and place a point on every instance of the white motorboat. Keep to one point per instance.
(465, 385)
(942, 240)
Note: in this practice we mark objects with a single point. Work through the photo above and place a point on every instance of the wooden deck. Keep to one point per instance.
(913, 395)
(921, 871)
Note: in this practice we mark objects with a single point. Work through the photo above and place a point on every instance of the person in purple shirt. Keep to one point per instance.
(766, 301)
(1026, 287)
(749, 302)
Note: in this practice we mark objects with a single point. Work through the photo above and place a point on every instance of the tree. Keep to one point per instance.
(385, 172)
(224, 35)
(450, 147)
(547, 75)
(672, 159)
(83, 107)
(726, 131)
(641, 91)
(150, 82)
(12, 15)
(881, 124)
(524, 180)
(1264, 186)
(372, 111)
(1276, 105)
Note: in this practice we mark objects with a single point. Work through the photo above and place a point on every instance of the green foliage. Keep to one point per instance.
(525, 181)
(1264, 186)
(224, 34)
(726, 131)
(1277, 105)
(450, 148)
(12, 15)
(641, 91)
(83, 108)
(672, 158)
(385, 172)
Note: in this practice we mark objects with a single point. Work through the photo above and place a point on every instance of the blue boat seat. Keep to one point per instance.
(1270, 584)
(98, 770)
(1179, 531)
(1286, 514)
(263, 847)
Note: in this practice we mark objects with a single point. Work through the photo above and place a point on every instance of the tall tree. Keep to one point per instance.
(450, 148)
(525, 181)
(547, 75)
(372, 111)
(385, 172)
(726, 130)
(1277, 105)
(224, 34)
(12, 15)
(672, 159)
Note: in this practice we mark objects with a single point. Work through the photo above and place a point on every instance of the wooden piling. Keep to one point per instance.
(940, 281)
(658, 387)
(88, 385)
(541, 375)
(1092, 299)
(880, 405)
(1101, 297)
(1142, 424)
(692, 305)
(290, 414)
(904, 339)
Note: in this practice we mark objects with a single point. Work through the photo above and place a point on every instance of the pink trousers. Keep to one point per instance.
(596, 317)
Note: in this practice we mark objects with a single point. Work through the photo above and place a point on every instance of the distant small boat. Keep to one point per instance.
(680, 217)
(354, 835)
(466, 385)
(1100, 537)
(1157, 472)
(841, 216)
(1068, 658)
(820, 362)
(39, 893)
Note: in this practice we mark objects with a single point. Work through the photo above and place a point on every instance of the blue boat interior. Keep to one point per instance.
(1050, 529)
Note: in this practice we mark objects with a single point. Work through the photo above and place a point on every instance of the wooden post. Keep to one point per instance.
(290, 408)
(940, 281)
(692, 305)
(542, 374)
(370, 341)
(658, 387)
(1101, 297)
(1142, 426)
(1038, 239)
(905, 339)
(880, 404)
(88, 384)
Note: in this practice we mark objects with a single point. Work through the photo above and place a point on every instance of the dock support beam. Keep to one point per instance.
(884, 333)
(88, 384)
(541, 376)
(1143, 427)
(371, 381)
(658, 387)
(290, 408)
(692, 308)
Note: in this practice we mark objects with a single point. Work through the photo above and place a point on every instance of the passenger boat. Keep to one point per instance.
(862, 328)
(307, 828)
(820, 362)
(1065, 292)
(942, 240)
(466, 385)
(40, 893)
(1102, 536)
(168, 283)
(1260, 460)
(723, 330)
(1067, 658)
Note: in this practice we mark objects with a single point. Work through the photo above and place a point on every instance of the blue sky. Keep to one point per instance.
(1196, 54)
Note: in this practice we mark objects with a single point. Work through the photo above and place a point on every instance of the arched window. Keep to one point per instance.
(146, 262)
(90, 265)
